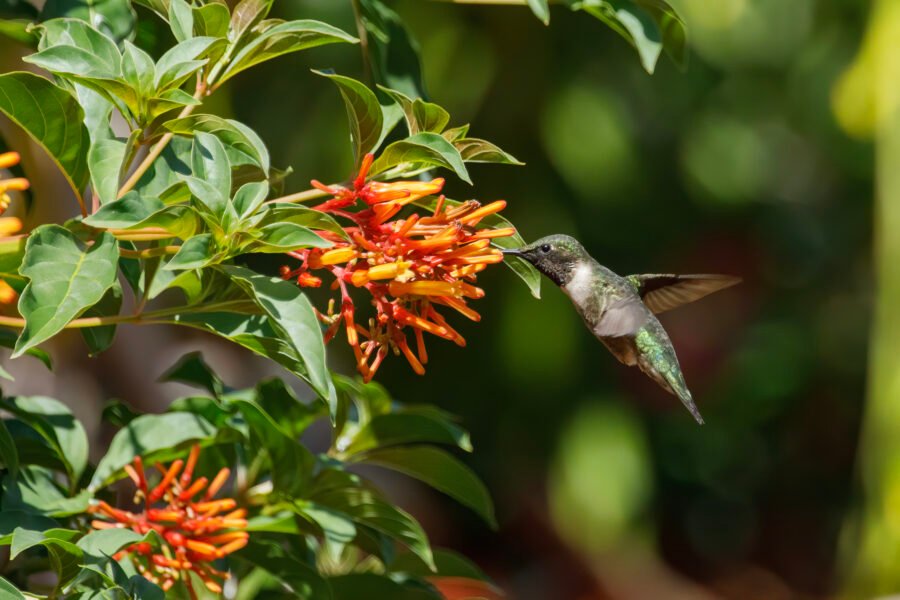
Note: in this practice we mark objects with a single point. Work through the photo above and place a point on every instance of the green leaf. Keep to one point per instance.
(403, 428)
(392, 52)
(420, 151)
(363, 112)
(114, 18)
(541, 10)
(210, 164)
(10, 591)
(211, 20)
(247, 14)
(294, 317)
(99, 339)
(53, 118)
(105, 161)
(242, 145)
(36, 491)
(195, 253)
(302, 215)
(420, 115)
(66, 276)
(290, 461)
(131, 209)
(8, 453)
(149, 434)
(481, 151)
(645, 24)
(181, 20)
(269, 42)
(249, 198)
(304, 580)
(54, 422)
(441, 471)
(365, 507)
(184, 58)
(65, 557)
(98, 546)
(138, 69)
(279, 238)
(253, 332)
(191, 369)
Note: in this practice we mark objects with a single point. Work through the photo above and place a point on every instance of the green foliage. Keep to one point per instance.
(175, 199)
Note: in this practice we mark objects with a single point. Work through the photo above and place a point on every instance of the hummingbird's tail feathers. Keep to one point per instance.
(671, 380)
(661, 293)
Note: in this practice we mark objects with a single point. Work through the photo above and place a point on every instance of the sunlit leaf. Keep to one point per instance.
(149, 434)
(67, 277)
(420, 151)
(52, 117)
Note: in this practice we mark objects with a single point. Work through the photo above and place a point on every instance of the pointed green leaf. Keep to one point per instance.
(420, 151)
(195, 253)
(241, 143)
(249, 198)
(404, 428)
(129, 210)
(211, 20)
(279, 238)
(210, 163)
(293, 315)
(392, 51)
(363, 112)
(481, 151)
(138, 69)
(247, 14)
(65, 557)
(159, 435)
(105, 160)
(114, 18)
(54, 422)
(541, 10)
(67, 277)
(420, 115)
(292, 36)
(181, 19)
(10, 591)
(53, 118)
(441, 471)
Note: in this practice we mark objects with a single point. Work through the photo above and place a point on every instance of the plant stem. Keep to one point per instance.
(146, 318)
(300, 197)
(149, 252)
(159, 146)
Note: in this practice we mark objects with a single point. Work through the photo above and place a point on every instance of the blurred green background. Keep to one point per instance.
(605, 486)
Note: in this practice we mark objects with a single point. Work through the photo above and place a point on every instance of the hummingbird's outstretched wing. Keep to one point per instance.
(665, 292)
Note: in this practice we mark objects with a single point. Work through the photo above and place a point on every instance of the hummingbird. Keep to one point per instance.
(621, 311)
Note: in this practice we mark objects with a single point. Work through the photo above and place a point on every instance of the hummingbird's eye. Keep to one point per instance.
(545, 248)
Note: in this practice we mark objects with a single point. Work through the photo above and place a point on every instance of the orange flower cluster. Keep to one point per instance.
(9, 225)
(410, 266)
(196, 532)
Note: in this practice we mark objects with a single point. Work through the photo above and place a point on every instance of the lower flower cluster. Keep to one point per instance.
(9, 225)
(195, 529)
(411, 267)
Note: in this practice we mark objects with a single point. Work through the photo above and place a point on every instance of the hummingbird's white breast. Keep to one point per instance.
(580, 288)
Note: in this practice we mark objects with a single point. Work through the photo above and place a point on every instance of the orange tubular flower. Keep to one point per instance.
(196, 529)
(9, 225)
(409, 266)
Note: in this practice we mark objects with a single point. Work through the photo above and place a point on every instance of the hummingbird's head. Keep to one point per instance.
(556, 256)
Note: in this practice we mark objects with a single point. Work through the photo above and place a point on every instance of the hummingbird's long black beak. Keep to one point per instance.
(512, 252)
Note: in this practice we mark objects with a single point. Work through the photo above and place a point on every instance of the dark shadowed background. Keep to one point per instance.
(605, 487)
